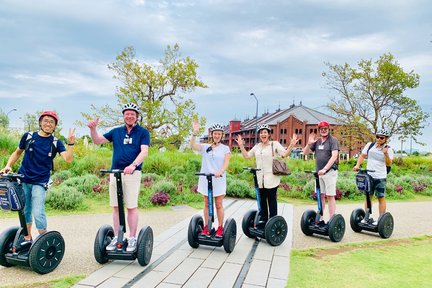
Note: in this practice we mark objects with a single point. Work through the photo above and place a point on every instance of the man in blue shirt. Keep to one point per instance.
(40, 149)
(130, 148)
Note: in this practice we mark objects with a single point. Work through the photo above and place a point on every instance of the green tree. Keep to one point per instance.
(371, 97)
(4, 121)
(159, 91)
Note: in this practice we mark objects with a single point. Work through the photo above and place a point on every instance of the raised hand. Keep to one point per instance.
(312, 138)
(71, 136)
(92, 124)
(239, 140)
(294, 139)
(195, 127)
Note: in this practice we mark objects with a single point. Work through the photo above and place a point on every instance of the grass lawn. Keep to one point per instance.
(391, 263)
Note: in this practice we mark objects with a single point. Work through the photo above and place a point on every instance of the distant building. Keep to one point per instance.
(297, 119)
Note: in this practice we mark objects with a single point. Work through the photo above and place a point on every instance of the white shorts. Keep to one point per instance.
(328, 182)
(131, 184)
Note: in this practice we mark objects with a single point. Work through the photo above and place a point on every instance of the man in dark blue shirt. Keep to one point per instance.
(36, 167)
(130, 146)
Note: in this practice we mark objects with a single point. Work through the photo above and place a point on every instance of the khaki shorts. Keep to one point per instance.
(328, 182)
(131, 187)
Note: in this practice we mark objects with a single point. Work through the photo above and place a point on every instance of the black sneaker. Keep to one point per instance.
(322, 223)
(23, 244)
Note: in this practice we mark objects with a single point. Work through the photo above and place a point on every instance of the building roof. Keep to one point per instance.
(303, 113)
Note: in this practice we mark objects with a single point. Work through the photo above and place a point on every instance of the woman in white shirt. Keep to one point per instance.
(267, 182)
(215, 160)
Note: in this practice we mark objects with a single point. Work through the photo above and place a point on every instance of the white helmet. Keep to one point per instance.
(383, 132)
(216, 127)
(264, 126)
(130, 106)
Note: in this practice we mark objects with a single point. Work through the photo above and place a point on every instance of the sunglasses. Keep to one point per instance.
(209, 149)
(380, 137)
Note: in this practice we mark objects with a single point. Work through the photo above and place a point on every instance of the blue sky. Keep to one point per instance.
(54, 54)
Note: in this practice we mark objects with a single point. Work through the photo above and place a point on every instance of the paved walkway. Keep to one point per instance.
(175, 264)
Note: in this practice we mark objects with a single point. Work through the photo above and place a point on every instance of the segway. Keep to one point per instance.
(45, 253)
(105, 234)
(361, 219)
(310, 222)
(274, 231)
(196, 225)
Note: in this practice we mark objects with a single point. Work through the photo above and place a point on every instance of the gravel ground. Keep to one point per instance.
(411, 219)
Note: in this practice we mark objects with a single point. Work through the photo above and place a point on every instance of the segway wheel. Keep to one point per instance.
(307, 219)
(46, 252)
(276, 230)
(248, 222)
(230, 235)
(336, 228)
(6, 242)
(145, 245)
(385, 225)
(356, 217)
(195, 227)
(103, 238)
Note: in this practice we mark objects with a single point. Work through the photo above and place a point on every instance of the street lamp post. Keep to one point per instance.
(7, 115)
(256, 118)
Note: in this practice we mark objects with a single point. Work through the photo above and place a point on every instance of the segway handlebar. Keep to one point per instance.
(111, 171)
(13, 176)
(205, 174)
(251, 169)
(363, 170)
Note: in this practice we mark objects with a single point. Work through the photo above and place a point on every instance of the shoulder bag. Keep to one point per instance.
(280, 168)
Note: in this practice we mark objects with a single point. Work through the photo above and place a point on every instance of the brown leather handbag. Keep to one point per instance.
(280, 168)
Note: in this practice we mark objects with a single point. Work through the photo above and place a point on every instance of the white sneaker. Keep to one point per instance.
(363, 221)
(112, 245)
(132, 243)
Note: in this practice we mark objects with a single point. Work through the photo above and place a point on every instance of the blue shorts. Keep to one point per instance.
(378, 187)
(35, 204)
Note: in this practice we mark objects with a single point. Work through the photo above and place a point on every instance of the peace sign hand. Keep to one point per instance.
(71, 136)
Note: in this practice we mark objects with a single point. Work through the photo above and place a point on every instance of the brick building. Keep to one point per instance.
(297, 119)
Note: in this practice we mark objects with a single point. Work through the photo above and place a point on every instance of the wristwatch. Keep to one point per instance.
(134, 164)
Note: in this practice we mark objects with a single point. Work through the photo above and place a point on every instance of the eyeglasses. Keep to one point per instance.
(47, 121)
(323, 129)
(380, 137)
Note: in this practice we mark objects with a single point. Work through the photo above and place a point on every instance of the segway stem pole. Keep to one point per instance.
(210, 200)
(209, 196)
(122, 221)
(318, 193)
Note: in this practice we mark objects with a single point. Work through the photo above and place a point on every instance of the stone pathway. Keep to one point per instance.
(174, 263)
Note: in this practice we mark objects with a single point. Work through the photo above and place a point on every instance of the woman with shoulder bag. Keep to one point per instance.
(264, 153)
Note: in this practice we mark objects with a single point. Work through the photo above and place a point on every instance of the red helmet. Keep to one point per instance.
(323, 124)
(51, 114)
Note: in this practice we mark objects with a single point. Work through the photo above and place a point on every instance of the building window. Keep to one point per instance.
(285, 131)
(299, 142)
(300, 131)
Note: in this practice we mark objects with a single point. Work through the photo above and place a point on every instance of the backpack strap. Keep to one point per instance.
(53, 150)
(370, 147)
(272, 149)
